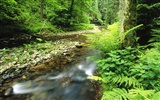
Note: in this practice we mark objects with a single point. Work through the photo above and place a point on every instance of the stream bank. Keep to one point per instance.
(68, 55)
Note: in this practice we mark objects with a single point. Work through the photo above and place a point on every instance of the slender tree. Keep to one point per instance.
(128, 19)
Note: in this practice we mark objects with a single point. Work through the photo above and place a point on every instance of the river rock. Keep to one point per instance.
(8, 91)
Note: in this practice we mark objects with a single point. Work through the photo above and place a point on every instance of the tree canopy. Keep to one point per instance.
(18, 16)
(31, 16)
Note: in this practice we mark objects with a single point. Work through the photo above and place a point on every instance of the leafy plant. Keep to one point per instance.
(111, 92)
(123, 35)
(111, 39)
(106, 42)
(115, 94)
(132, 94)
(148, 69)
(155, 40)
(118, 62)
(130, 74)
(141, 94)
(81, 26)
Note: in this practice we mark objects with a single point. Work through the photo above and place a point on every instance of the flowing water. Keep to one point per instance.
(71, 84)
(63, 77)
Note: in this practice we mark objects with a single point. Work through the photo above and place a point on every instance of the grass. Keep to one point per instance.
(81, 26)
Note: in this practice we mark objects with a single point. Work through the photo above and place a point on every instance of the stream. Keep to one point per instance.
(62, 77)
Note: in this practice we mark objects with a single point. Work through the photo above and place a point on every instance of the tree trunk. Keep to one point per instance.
(41, 9)
(128, 20)
(71, 8)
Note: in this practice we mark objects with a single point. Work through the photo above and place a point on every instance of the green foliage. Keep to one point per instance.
(71, 12)
(111, 39)
(96, 15)
(96, 78)
(105, 12)
(81, 11)
(156, 96)
(106, 42)
(130, 74)
(128, 38)
(30, 16)
(133, 94)
(8, 10)
(11, 18)
(110, 12)
(140, 94)
(155, 31)
(148, 12)
(148, 69)
(81, 26)
(116, 66)
(130, 30)
(124, 80)
(115, 94)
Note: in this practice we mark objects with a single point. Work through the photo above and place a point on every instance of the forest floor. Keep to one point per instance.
(48, 54)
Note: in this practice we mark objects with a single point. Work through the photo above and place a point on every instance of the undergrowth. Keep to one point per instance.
(155, 40)
(106, 42)
(110, 39)
(81, 26)
(128, 73)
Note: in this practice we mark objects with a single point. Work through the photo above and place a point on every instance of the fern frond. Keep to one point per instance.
(115, 94)
(143, 94)
(96, 78)
(156, 38)
(128, 81)
(156, 96)
(122, 36)
(134, 28)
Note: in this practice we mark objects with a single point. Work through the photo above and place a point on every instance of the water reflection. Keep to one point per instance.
(68, 85)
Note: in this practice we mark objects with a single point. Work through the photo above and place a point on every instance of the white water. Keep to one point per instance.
(68, 85)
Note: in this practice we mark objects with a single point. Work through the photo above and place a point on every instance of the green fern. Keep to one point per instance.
(133, 94)
(140, 94)
(96, 78)
(115, 94)
(155, 31)
(156, 96)
(123, 35)
(127, 81)
(106, 42)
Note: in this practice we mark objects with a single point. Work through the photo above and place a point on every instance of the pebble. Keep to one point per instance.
(5, 76)
(1, 81)
(24, 65)
(8, 92)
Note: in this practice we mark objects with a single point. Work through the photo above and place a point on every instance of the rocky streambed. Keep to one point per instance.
(59, 52)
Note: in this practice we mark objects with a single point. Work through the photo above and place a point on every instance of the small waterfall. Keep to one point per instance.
(71, 84)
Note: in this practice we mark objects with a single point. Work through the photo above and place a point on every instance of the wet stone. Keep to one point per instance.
(1, 81)
(8, 92)
(5, 76)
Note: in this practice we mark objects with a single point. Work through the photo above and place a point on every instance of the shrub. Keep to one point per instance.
(130, 74)
(81, 26)
(148, 68)
(106, 42)
(116, 66)
(111, 39)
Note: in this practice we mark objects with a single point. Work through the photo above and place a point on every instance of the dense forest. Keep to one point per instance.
(128, 65)
(34, 15)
